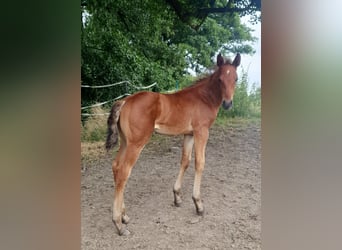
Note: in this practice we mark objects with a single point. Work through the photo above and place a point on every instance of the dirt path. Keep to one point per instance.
(230, 190)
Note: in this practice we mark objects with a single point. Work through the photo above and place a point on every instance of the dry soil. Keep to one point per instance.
(230, 190)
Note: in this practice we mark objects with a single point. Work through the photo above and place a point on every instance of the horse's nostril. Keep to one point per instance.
(227, 105)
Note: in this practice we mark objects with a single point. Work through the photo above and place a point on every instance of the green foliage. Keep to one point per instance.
(255, 101)
(150, 41)
(241, 101)
(195, 12)
(187, 80)
(123, 40)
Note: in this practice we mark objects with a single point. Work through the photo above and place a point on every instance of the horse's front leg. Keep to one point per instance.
(186, 158)
(201, 138)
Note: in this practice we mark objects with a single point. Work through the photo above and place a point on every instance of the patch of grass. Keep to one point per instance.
(94, 128)
(224, 121)
(92, 150)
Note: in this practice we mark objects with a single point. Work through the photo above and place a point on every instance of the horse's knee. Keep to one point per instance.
(185, 162)
(115, 168)
(120, 177)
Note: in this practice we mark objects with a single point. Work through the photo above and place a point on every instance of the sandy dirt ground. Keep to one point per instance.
(230, 189)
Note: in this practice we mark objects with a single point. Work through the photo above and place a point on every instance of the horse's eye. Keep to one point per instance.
(236, 79)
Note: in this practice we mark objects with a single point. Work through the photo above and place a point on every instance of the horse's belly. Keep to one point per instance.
(172, 130)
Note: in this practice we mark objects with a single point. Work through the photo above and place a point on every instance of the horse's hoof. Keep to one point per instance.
(200, 212)
(178, 204)
(178, 199)
(124, 232)
(125, 219)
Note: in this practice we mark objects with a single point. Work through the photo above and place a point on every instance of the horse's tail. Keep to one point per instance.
(112, 122)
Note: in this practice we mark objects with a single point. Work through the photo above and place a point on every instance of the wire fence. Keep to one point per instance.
(118, 83)
(112, 100)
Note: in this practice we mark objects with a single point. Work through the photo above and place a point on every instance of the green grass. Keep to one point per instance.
(235, 122)
(94, 128)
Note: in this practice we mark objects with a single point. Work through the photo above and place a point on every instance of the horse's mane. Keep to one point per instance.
(205, 76)
(200, 80)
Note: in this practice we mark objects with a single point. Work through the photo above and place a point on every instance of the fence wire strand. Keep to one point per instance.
(119, 97)
(118, 83)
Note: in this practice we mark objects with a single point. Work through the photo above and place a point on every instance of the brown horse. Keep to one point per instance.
(190, 112)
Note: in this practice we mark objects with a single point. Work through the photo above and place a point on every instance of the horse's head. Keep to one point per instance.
(227, 78)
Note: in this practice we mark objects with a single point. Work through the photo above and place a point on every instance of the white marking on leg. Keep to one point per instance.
(197, 184)
(201, 138)
(186, 158)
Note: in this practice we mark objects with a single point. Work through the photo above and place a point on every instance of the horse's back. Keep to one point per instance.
(143, 99)
(139, 113)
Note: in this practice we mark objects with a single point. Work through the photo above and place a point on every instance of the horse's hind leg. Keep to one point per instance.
(122, 167)
(116, 162)
(186, 158)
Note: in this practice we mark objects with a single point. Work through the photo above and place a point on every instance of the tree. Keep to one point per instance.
(156, 40)
(195, 12)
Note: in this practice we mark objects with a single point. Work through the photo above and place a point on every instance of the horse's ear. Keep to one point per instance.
(237, 60)
(220, 60)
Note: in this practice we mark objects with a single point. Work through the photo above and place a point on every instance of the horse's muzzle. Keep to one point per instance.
(227, 105)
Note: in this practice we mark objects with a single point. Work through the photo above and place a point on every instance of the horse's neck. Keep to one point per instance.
(207, 90)
(211, 93)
